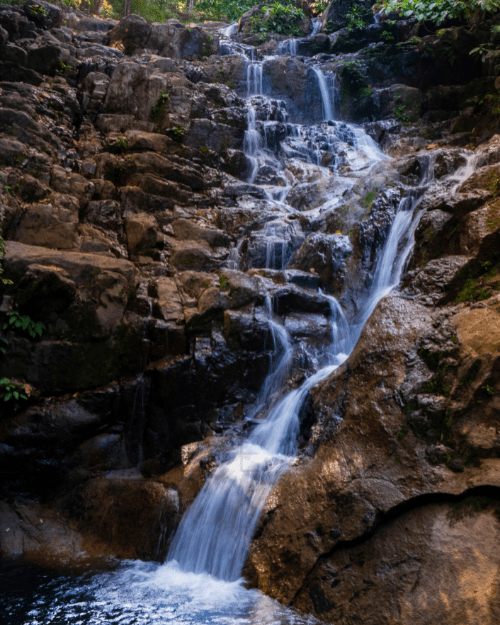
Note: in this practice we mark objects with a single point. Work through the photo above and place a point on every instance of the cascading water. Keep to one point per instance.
(326, 97)
(215, 533)
(200, 582)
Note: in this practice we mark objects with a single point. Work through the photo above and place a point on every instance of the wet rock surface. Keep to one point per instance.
(163, 203)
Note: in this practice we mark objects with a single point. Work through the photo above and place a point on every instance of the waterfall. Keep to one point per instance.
(254, 78)
(316, 24)
(289, 46)
(328, 99)
(215, 533)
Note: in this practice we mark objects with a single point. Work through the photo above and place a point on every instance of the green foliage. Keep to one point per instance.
(399, 110)
(11, 391)
(217, 9)
(177, 133)
(120, 145)
(159, 108)
(62, 67)
(357, 18)
(25, 323)
(152, 11)
(471, 292)
(3, 281)
(224, 283)
(440, 10)
(37, 10)
(367, 201)
(281, 19)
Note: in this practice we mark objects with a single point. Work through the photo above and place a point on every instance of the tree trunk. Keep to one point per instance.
(127, 7)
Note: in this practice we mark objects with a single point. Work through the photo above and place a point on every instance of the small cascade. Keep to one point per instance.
(326, 86)
(287, 47)
(317, 24)
(254, 78)
(231, 30)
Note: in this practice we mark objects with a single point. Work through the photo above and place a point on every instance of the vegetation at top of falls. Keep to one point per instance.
(358, 17)
(441, 10)
(278, 18)
(218, 9)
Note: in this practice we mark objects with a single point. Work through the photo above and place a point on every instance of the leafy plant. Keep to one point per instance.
(120, 145)
(471, 291)
(439, 11)
(25, 323)
(278, 18)
(177, 133)
(62, 67)
(159, 108)
(3, 281)
(356, 18)
(12, 391)
(37, 9)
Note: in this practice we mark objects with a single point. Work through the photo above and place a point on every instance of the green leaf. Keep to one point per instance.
(16, 394)
(7, 396)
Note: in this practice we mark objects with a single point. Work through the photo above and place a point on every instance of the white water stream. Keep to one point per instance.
(215, 533)
(201, 580)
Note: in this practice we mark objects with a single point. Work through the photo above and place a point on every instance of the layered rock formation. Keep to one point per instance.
(138, 233)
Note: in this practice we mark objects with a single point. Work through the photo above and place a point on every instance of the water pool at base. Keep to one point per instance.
(132, 592)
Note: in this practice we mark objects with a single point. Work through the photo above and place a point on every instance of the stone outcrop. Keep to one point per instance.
(141, 236)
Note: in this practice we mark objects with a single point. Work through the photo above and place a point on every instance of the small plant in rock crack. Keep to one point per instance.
(159, 108)
(12, 391)
(176, 133)
(120, 145)
(62, 67)
(25, 323)
(37, 9)
(3, 281)
(399, 110)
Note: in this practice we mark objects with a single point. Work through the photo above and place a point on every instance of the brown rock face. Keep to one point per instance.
(365, 468)
(435, 562)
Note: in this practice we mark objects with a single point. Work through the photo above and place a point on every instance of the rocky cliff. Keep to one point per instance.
(138, 232)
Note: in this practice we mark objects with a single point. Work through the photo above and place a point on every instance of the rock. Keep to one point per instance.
(50, 17)
(18, 257)
(131, 34)
(184, 43)
(134, 90)
(142, 232)
(312, 254)
(192, 256)
(421, 544)
(206, 134)
(109, 512)
(314, 45)
(46, 225)
(406, 101)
